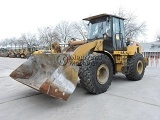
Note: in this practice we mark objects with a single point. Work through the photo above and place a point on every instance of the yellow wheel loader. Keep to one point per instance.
(56, 72)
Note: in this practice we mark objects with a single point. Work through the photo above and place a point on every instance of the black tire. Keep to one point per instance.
(15, 56)
(18, 55)
(89, 79)
(136, 66)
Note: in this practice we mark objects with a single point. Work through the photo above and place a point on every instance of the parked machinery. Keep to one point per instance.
(94, 61)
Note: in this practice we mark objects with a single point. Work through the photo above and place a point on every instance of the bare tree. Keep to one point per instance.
(5, 43)
(133, 28)
(80, 30)
(64, 29)
(15, 42)
(21, 43)
(29, 39)
(1, 43)
(10, 41)
(43, 35)
(47, 35)
(158, 37)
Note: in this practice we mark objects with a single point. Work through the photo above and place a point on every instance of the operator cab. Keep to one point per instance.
(110, 28)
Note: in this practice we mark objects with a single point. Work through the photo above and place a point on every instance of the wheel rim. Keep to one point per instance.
(102, 74)
(139, 66)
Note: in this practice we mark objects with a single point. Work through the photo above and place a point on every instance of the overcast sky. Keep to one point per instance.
(22, 16)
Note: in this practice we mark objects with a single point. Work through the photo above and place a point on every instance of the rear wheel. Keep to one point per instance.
(96, 73)
(136, 67)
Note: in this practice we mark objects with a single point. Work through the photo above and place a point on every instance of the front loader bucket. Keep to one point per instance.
(45, 73)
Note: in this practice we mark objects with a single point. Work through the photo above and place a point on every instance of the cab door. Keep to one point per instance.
(118, 33)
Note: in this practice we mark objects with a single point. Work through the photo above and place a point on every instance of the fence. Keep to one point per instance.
(154, 58)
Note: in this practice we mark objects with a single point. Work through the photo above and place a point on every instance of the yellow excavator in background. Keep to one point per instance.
(95, 61)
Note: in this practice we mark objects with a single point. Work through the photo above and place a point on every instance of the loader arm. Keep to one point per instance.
(84, 49)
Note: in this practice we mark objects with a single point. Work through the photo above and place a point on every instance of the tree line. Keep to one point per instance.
(65, 30)
(62, 32)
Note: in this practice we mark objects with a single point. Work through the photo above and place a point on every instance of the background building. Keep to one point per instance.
(152, 51)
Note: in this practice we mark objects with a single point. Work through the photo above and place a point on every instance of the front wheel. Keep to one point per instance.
(96, 73)
(136, 66)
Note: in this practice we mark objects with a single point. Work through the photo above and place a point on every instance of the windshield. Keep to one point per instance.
(98, 27)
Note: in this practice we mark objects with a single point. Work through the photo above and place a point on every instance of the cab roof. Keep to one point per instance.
(101, 15)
